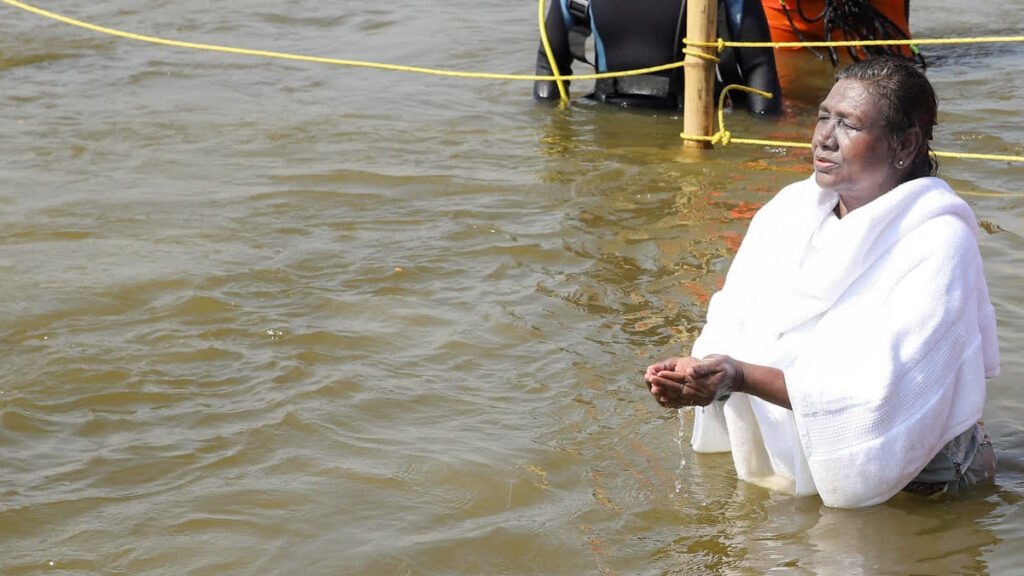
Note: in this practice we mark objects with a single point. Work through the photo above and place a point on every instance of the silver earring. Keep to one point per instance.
(899, 163)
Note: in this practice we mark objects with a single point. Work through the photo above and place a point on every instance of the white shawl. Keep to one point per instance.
(882, 325)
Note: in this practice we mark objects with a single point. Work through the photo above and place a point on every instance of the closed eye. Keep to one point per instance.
(846, 124)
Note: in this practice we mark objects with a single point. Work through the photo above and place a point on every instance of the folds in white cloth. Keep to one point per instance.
(882, 325)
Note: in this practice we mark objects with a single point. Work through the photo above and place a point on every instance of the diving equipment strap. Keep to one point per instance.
(579, 28)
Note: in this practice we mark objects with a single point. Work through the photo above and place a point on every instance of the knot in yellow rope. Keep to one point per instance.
(701, 55)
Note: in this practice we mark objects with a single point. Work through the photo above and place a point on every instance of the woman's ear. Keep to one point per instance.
(907, 147)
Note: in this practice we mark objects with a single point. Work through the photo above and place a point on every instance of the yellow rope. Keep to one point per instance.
(989, 194)
(970, 156)
(719, 45)
(323, 60)
(722, 136)
(562, 93)
(701, 55)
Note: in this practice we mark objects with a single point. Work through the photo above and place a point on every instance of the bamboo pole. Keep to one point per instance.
(699, 73)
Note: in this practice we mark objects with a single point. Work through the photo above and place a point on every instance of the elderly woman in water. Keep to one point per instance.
(847, 352)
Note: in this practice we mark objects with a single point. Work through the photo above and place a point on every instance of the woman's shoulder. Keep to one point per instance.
(944, 233)
(948, 238)
(936, 209)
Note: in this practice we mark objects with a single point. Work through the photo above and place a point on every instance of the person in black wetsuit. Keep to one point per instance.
(632, 34)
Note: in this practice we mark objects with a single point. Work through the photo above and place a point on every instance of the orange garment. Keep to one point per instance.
(782, 30)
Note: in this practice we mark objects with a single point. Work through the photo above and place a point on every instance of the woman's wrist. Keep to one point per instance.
(724, 388)
(736, 384)
(741, 378)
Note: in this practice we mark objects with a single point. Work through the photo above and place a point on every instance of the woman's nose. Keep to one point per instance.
(824, 135)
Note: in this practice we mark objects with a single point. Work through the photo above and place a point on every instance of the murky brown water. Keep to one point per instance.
(263, 317)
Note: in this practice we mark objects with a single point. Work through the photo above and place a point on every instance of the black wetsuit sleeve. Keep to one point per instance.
(757, 65)
(558, 37)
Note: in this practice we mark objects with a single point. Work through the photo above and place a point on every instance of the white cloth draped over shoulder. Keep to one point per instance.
(882, 325)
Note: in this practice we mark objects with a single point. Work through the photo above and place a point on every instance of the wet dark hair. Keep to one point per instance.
(908, 101)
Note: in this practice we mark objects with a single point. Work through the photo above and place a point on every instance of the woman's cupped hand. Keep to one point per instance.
(687, 381)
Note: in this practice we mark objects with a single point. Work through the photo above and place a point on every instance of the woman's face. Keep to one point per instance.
(853, 155)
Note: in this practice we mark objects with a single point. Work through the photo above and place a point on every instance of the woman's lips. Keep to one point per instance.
(823, 164)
